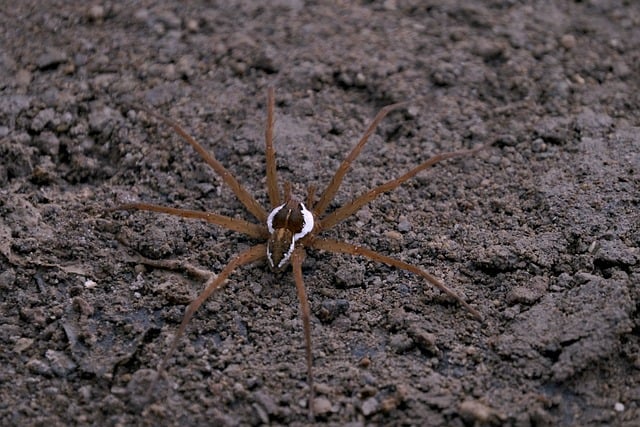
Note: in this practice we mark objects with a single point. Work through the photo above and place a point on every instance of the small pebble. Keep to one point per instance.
(389, 404)
(96, 12)
(80, 305)
(41, 119)
(403, 224)
(22, 344)
(393, 235)
(369, 406)
(477, 412)
(568, 41)
(39, 367)
(321, 406)
(60, 363)
(365, 362)
(192, 25)
(51, 59)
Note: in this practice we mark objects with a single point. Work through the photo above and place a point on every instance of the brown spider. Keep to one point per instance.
(290, 227)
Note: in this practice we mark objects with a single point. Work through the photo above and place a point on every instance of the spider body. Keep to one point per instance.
(287, 224)
(290, 228)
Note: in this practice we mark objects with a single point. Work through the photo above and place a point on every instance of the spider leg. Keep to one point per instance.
(242, 226)
(332, 189)
(241, 193)
(272, 177)
(296, 262)
(347, 248)
(287, 191)
(212, 284)
(311, 195)
(349, 209)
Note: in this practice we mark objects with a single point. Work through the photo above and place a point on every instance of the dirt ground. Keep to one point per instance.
(540, 232)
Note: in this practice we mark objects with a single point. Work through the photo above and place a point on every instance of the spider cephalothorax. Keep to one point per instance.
(291, 227)
(287, 224)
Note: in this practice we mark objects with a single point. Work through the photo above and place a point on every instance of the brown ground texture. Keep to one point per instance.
(540, 231)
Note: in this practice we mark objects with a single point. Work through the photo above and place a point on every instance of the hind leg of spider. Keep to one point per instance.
(246, 227)
(212, 284)
(347, 248)
(305, 312)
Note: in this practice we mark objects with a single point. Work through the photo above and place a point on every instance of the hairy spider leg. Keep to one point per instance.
(241, 193)
(213, 283)
(352, 207)
(270, 153)
(348, 248)
(305, 312)
(331, 190)
(235, 224)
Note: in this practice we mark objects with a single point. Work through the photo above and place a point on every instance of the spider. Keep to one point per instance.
(290, 227)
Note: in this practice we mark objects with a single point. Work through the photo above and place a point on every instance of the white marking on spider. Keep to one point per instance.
(305, 228)
(271, 216)
(287, 255)
(307, 225)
